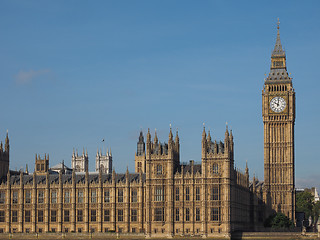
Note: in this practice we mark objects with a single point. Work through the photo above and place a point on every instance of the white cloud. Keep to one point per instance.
(24, 77)
(308, 182)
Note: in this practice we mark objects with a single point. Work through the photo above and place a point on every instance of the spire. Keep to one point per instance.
(148, 136)
(6, 146)
(141, 139)
(204, 133)
(278, 51)
(177, 137)
(209, 137)
(170, 134)
(247, 169)
(155, 136)
(1, 146)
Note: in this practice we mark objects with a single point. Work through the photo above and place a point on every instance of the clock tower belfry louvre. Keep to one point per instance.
(278, 111)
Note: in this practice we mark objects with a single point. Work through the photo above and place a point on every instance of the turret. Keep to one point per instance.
(6, 146)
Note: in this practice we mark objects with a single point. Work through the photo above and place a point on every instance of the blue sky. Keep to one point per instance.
(75, 72)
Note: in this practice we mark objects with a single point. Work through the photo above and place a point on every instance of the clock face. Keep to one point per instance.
(278, 104)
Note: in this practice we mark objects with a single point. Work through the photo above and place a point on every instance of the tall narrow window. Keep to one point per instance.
(27, 216)
(53, 197)
(2, 197)
(159, 214)
(40, 196)
(106, 215)
(93, 196)
(134, 215)
(53, 215)
(120, 195)
(106, 196)
(14, 216)
(93, 215)
(66, 197)
(177, 194)
(187, 214)
(66, 215)
(40, 215)
(214, 193)
(2, 216)
(120, 215)
(187, 193)
(28, 196)
(159, 169)
(197, 193)
(80, 215)
(15, 197)
(215, 214)
(215, 168)
(158, 193)
(134, 195)
(197, 214)
(80, 196)
(177, 214)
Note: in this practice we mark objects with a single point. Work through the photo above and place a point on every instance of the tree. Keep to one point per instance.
(278, 220)
(304, 203)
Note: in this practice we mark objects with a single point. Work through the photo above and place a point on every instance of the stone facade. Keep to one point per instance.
(164, 197)
(278, 111)
(104, 162)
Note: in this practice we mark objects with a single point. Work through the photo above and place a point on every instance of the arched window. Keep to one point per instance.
(215, 168)
(159, 169)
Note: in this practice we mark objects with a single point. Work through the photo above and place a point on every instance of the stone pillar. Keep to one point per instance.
(73, 203)
(8, 204)
(60, 202)
(47, 204)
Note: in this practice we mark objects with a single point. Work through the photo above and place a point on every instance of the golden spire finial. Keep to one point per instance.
(278, 23)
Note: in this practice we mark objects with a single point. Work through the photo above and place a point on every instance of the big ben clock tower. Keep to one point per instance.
(278, 111)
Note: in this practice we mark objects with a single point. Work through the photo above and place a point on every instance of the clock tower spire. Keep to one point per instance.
(278, 112)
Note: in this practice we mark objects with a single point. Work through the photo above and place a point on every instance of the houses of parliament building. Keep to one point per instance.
(164, 197)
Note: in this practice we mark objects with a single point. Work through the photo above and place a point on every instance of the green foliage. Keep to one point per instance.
(278, 220)
(304, 203)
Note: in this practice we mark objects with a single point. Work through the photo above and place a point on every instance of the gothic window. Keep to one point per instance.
(197, 214)
(66, 215)
(197, 193)
(158, 194)
(66, 197)
(42, 167)
(187, 194)
(80, 215)
(214, 214)
(15, 197)
(40, 196)
(120, 195)
(53, 197)
(139, 166)
(214, 193)
(38, 167)
(28, 196)
(106, 216)
(40, 215)
(2, 197)
(14, 216)
(159, 169)
(187, 214)
(215, 169)
(134, 215)
(120, 215)
(80, 196)
(93, 215)
(53, 215)
(177, 214)
(177, 194)
(93, 196)
(27, 216)
(159, 214)
(2, 216)
(134, 195)
(106, 196)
